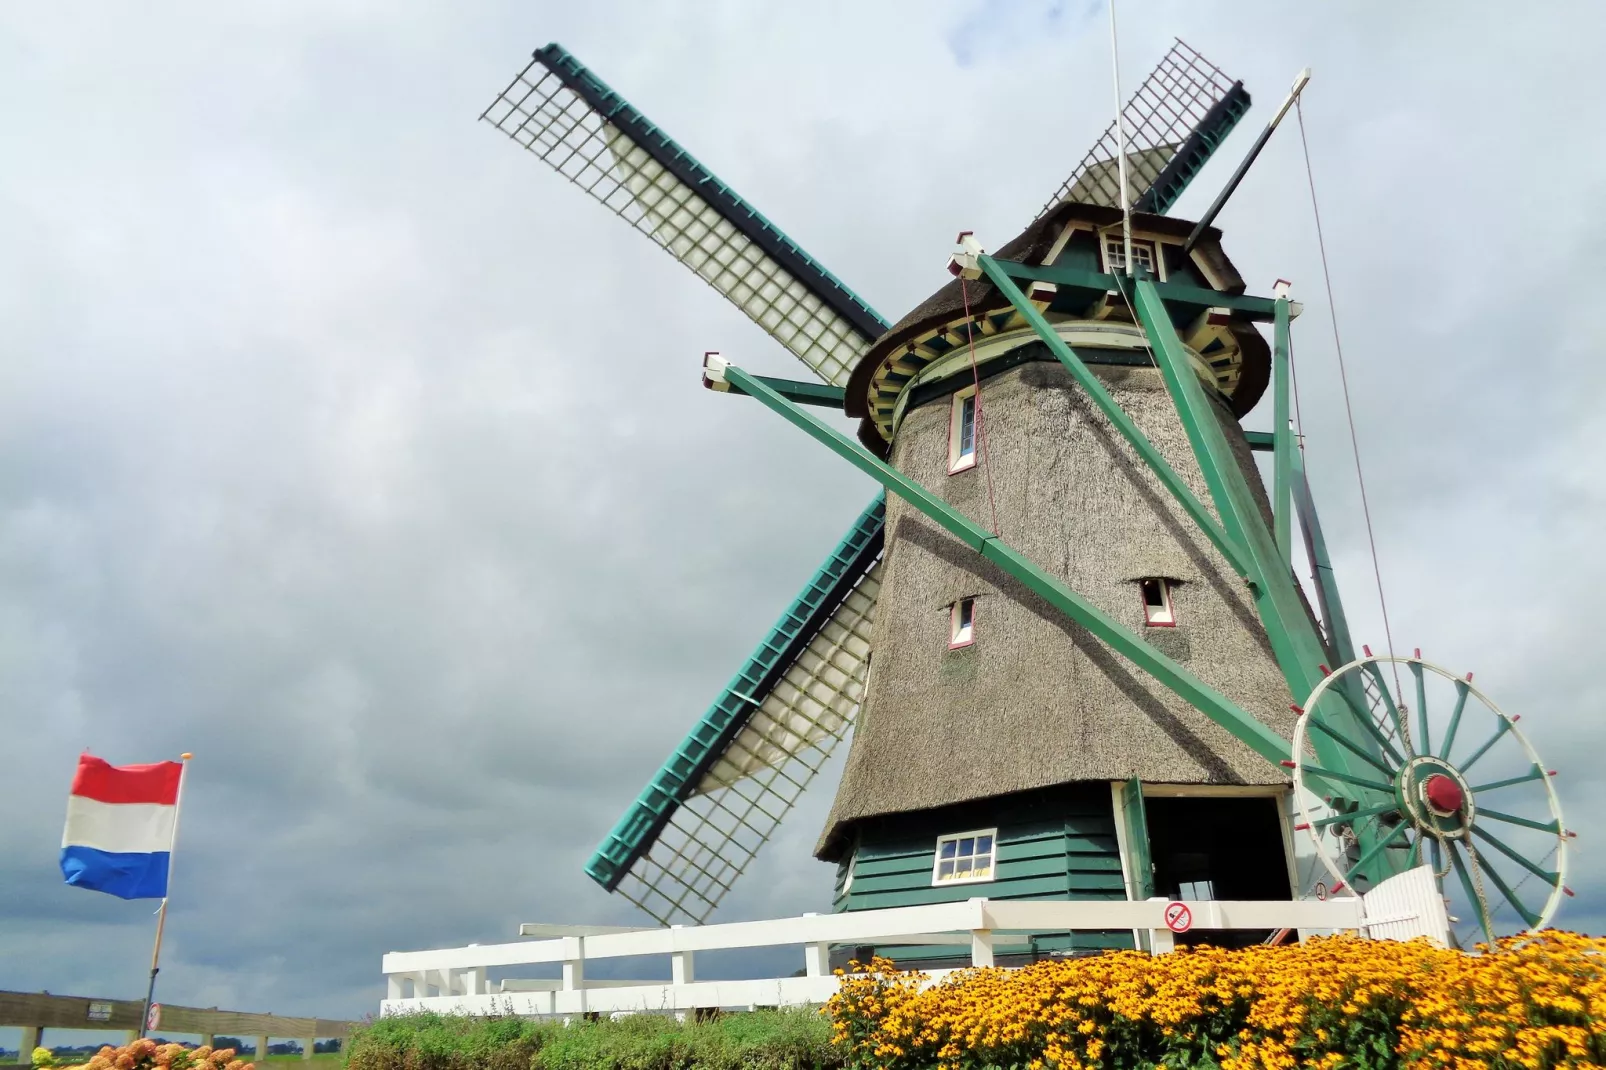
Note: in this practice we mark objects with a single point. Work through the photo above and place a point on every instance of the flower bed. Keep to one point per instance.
(146, 1054)
(1339, 1002)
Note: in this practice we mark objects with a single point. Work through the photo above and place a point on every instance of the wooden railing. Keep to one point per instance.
(456, 979)
(34, 1012)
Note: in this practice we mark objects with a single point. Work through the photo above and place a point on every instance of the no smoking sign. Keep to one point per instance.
(1178, 918)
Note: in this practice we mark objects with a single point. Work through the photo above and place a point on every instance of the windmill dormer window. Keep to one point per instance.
(962, 623)
(962, 431)
(1157, 608)
(1143, 252)
(965, 857)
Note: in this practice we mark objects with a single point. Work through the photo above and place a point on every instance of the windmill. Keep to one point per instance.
(1095, 673)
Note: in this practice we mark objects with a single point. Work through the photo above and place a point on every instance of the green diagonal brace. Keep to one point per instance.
(1117, 416)
(1212, 703)
(1282, 429)
(1294, 640)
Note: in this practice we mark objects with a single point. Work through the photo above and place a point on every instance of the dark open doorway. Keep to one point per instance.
(1212, 847)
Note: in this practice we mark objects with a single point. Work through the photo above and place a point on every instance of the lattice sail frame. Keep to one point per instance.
(571, 120)
(1174, 121)
(713, 835)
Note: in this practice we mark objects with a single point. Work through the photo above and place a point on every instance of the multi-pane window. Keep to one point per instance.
(962, 623)
(962, 431)
(965, 856)
(1115, 254)
(1157, 608)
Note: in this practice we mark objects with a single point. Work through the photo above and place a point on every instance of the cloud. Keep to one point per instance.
(345, 446)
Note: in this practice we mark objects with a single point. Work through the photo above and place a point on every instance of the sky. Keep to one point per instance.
(345, 446)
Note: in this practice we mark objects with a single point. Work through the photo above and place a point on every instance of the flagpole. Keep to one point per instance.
(161, 911)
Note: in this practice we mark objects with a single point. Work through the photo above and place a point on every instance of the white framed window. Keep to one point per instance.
(965, 857)
(962, 623)
(1143, 252)
(962, 431)
(1197, 890)
(1158, 611)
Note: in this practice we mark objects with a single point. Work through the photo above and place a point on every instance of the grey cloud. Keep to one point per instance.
(343, 445)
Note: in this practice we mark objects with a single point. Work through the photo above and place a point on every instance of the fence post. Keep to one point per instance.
(574, 968)
(1162, 941)
(682, 971)
(307, 1046)
(206, 1039)
(817, 956)
(31, 1035)
(262, 1046)
(981, 947)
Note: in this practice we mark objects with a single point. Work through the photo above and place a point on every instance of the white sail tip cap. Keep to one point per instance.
(714, 367)
(966, 264)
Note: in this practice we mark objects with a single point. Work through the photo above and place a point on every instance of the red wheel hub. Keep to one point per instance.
(1444, 794)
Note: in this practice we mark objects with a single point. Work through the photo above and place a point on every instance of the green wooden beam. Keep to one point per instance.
(1116, 415)
(1261, 441)
(1196, 298)
(1212, 703)
(1295, 641)
(1283, 433)
(821, 394)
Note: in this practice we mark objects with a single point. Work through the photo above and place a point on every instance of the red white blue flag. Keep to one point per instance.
(120, 825)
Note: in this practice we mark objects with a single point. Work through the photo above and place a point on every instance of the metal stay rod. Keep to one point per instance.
(1212, 703)
(1243, 168)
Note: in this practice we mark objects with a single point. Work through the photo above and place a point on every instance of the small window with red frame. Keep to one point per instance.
(1158, 610)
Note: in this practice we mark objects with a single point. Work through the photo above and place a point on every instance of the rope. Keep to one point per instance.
(1349, 412)
(981, 424)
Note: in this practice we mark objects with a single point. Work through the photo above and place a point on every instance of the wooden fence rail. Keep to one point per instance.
(35, 1011)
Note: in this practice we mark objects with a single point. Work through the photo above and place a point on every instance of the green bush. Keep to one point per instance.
(761, 1040)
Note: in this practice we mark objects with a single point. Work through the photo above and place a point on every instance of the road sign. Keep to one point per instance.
(1321, 891)
(1178, 918)
(153, 1020)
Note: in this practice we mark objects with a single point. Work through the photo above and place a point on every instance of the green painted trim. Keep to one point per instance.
(1194, 298)
(1261, 441)
(1117, 416)
(641, 825)
(1195, 151)
(821, 394)
(1141, 859)
(1283, 434)
(1212, 703)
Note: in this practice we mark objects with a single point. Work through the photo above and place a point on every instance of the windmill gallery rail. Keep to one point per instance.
(1067, 639)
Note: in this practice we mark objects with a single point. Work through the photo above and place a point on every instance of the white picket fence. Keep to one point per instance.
(455, 979)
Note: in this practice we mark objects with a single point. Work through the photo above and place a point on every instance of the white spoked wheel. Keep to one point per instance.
(1430, 769)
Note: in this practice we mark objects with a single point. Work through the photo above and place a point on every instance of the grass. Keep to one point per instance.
(761, 1040)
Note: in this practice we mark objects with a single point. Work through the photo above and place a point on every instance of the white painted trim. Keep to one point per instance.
(1123, 846)
(955, 837)
(959, 461)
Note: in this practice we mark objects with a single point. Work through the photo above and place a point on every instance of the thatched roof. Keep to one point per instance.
(1036, 700)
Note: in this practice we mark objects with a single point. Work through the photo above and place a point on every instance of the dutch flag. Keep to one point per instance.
(120, 826)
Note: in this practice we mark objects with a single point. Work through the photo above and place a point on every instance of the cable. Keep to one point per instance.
(981, 424)
(1349, 412)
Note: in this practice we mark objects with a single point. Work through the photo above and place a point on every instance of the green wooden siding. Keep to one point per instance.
(1056, 843)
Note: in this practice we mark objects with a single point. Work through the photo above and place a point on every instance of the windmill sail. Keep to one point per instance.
(567, 116)
(723, 792)
(1174, 123)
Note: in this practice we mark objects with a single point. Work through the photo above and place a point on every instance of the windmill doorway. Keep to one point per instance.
(1218, 847)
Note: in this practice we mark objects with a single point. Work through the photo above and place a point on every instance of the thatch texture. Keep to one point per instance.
(1036, 701)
